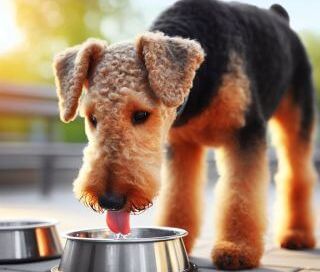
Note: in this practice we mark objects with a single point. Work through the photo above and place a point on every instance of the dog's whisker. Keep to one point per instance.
(138, 209)
(81, 198)
(89, 201)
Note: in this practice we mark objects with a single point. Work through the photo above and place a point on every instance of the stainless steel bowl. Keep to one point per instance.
(144, 250)
(28, 240)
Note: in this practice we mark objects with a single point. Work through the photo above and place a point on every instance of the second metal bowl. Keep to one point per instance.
(28, 240)
(144, 250)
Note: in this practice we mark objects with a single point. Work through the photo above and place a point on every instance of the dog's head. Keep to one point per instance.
(129, 103)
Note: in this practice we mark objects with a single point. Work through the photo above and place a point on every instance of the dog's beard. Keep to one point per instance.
(138, 209)
(133, 207)
(91, 202)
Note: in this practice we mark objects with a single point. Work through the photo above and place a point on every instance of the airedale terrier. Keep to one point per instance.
(208, 74)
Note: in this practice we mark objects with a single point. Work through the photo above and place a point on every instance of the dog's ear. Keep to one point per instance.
(71, 69)
(171, 63)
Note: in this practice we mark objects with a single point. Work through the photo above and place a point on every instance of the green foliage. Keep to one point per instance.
(312, 43)
(13, 124)
(49, 26)
(72, 132)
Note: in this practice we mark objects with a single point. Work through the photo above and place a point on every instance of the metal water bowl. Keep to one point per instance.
(28, 240)
(144, 250)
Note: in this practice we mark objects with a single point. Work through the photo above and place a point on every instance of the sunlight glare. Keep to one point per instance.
(10, 36)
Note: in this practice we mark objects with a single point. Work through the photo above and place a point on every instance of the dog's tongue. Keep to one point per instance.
(118, 221)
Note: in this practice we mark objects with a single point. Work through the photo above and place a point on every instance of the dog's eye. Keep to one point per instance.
(139, 117)
(93, 120)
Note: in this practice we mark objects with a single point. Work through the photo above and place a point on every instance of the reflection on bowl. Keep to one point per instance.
(28, 240)
(143, 250)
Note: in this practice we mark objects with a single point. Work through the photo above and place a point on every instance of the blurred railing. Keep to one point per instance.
(40, 154)
(37, 151)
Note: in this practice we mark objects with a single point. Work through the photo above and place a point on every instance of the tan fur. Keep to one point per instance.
(118, 158)
(240, 205)
(226, 112)
(295, 179)
(181, 193)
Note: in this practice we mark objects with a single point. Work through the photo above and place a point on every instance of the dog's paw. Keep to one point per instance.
(297, 239)
(231, 256)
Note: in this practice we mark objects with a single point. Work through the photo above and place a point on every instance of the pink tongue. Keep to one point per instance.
(118, 221)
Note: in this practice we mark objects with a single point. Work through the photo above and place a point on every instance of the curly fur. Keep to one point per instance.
(181, 193)
(240, 213)
(171, 64)
(71, 69)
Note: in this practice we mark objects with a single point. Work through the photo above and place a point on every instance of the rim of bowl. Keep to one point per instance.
(179, 233)
(23, 224)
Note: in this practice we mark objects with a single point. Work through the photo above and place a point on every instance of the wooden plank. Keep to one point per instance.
(29, 108)
(28, 100)
(33, 91)
(25, 162)
(41, 149)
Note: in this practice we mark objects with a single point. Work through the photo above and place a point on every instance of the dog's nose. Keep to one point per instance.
(110, 201)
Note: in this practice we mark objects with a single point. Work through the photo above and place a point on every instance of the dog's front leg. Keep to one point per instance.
(181, 193)
(240, 200)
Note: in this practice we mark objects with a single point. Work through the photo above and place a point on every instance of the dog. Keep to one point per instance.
(206, 74)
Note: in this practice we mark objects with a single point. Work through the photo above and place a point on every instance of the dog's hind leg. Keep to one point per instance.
(240, 198)
(181, 191)
(292, 126)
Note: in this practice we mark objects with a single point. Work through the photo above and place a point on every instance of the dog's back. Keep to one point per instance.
(273, 56)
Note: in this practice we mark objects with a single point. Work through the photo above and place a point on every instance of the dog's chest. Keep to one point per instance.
(225, 114)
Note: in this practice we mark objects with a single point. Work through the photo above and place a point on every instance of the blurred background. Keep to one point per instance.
(39, 155)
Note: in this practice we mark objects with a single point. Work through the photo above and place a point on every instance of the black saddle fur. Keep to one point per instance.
(275, 60)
